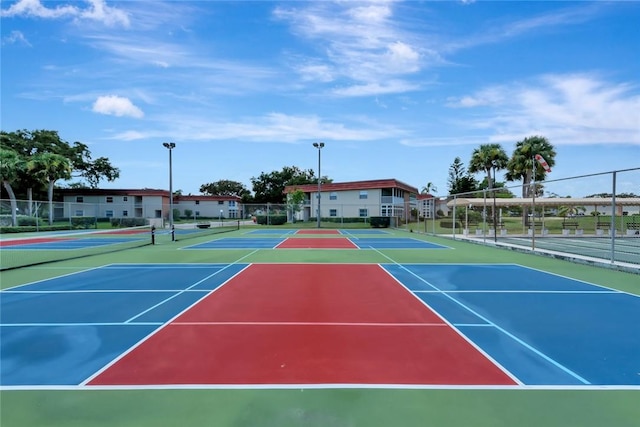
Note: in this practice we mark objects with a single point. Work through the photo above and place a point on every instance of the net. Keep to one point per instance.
(206, 229)
(193, 231)
(47, 247)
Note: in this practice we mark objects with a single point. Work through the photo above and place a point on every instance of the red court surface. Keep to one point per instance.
(29, 241)
(306, 324)
(317, 232)
(317, 243)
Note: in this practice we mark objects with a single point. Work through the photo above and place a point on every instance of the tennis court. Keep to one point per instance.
(383, 321)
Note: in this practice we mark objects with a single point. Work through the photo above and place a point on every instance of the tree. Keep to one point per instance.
(30, 143)
(269, 188)
(488, 158)
(523, 166)
(460, 181)
(11, 166)
(570, 210)
(48, 168)
(294, 202)
(225, 187)
(429, 188)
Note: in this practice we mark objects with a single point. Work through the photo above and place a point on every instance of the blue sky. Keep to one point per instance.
(394, 89)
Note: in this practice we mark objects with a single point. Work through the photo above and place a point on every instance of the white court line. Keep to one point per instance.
(504, 331)
(491, 291)
(306, 386)
(376, 324)
(98, 291)
(9, 325)
(164, 325)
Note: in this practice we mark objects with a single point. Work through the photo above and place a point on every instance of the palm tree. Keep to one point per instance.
(11, 165)
(523, 166)
(429, 188)
(488, 158)
(49, 168)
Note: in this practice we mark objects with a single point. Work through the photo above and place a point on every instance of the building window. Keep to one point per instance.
(125, 199)
(108, 213)
(364, 213)
(79, 212)
(197, 202)
(333, 212)
(79, 199)
(232, 203)
(125, 213)
(197, 213)
(363, 195)
(333, 196)
(221, 202)
(109, 199)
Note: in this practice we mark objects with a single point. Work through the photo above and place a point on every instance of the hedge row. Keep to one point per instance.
(30, 229)
(272, 219)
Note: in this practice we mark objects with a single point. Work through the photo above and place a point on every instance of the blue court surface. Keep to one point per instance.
(544, 329)
(273, 242)
(61, 331)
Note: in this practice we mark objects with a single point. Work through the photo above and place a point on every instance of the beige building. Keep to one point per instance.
(144, 203)
(357, 199)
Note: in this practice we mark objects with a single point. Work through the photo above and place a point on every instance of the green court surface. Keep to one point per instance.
(322, 405)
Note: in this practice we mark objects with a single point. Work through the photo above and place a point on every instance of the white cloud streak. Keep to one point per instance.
(273, 127)
(569, 109)
(16, 37)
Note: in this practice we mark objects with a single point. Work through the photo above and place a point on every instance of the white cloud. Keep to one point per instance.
(97, 10)
(116, 106)
(16, 37)
(569, 109)
(359, 43)
(34, 8)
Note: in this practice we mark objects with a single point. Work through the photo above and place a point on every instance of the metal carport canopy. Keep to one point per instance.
(544, 201)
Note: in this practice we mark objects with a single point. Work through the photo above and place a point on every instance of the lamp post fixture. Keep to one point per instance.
(319, 146)
(170, 146)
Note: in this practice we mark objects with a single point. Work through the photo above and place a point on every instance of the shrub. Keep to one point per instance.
(380, 221)
(28, 221)
(128, 222)
(449, 224)
(271, 219)
(83, 222)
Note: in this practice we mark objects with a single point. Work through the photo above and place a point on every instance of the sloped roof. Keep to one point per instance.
(353, 185)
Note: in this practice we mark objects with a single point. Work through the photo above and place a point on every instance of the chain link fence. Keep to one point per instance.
(594, 216)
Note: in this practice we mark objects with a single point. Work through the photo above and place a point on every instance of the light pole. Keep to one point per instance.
(495, 221)
(170, 146)
(319, 146)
